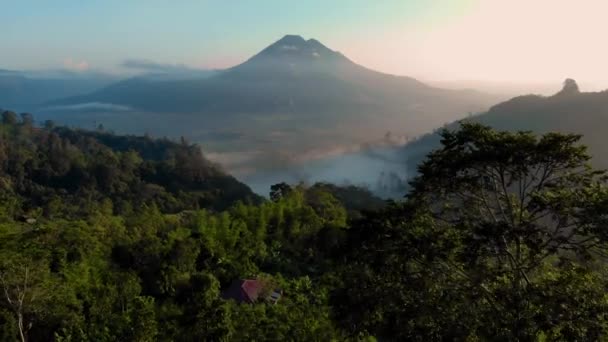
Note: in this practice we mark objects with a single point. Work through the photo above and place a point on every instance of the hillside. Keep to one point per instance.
(295, 101)
(27, 91)
(122, 238)
(47, 166)
(569, 110)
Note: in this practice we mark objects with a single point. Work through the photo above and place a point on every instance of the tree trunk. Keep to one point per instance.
(22, 333)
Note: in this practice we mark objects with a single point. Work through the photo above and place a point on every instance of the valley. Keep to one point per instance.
(296, 101)
(341, 171)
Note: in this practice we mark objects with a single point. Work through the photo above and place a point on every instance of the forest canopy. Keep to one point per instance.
(123, 238)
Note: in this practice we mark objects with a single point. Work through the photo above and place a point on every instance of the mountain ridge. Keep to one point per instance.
(281, 102)
(302, 77)
(567, 111)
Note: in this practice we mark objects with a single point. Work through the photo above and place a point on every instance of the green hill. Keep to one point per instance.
(568, 111)
(82, 168)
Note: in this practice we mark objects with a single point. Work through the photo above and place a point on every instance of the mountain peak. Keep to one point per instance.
(291, 39)
(570, 87)
(294, 47)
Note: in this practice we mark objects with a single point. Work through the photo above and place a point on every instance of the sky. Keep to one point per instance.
(488, 40)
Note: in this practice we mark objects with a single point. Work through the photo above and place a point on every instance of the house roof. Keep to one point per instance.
(252, 289)
(244, 290)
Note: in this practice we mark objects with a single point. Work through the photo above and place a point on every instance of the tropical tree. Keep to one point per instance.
(26, 288)
(9, 118)
(495, 227)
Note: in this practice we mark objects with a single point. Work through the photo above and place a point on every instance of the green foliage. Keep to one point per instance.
(116, 245)
(355, 200)
(499, 237)
(568, 111)
(9, 118)
(108, 238)
(81, 169)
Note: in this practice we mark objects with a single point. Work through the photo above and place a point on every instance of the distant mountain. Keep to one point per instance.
(509, 89)
(302, 79)
(568, 111)
(25, 91)
(5, 72)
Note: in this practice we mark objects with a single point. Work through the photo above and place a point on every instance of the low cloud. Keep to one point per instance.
(91, 106)
(381, 169)
(378, 165)
(74, 65)
(151, 69)
(4, 72)
(151, 66)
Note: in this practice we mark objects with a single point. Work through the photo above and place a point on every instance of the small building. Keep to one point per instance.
(250, 291)
(275, 295)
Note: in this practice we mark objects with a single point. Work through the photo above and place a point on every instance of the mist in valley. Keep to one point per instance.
(344, 170)
(262, 156)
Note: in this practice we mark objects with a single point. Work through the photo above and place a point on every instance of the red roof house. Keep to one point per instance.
(250, 290)
(244, 290)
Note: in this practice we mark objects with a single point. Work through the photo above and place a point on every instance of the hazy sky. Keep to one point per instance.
(503, 40)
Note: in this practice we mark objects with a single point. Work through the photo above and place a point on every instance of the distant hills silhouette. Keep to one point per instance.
(302, 79)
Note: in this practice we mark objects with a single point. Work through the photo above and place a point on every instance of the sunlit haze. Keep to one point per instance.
(303, 170)
(484, 40)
